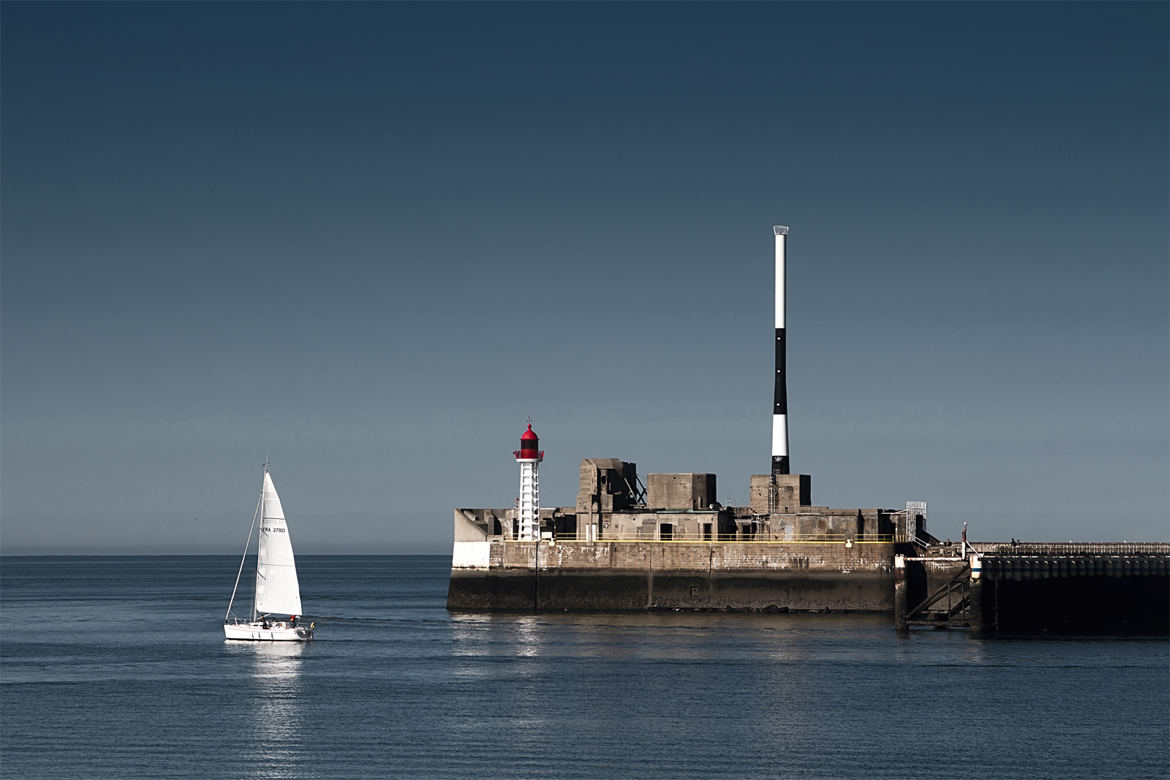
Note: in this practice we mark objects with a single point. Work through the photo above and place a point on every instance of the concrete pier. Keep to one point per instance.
(1075, 589)
(1030, 589)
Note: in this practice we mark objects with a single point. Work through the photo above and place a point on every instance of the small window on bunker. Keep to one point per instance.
(666, 531)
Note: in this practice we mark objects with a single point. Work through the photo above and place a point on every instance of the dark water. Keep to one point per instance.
(117, 667)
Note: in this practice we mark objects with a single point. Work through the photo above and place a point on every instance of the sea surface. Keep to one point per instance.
(116, 667)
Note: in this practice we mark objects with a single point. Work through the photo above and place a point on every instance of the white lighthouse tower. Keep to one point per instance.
(529, 457)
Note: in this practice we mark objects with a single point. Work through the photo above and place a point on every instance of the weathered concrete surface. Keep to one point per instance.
(698, 591)
(680, 491)
(639, 576)
(779, 492)
(477, 590)
(925, 576)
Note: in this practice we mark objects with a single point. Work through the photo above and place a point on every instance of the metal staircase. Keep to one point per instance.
(948, 606)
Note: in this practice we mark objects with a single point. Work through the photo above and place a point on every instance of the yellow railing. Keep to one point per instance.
(731, 539)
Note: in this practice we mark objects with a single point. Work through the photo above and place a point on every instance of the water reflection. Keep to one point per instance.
(274, 710)
(657, 636)
(528, 637)
(468, 634)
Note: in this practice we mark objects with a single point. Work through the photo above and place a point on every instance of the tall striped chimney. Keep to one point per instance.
(780, 400)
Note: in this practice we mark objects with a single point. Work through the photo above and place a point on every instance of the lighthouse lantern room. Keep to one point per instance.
(529, 457)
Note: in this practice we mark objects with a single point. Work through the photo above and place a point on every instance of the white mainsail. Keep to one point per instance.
(277, 588)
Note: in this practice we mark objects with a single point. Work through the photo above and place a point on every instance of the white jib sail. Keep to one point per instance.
(277, 589)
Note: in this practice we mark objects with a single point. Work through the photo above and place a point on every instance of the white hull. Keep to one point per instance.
(276, 632)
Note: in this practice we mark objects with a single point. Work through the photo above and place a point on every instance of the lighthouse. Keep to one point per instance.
(529, 457)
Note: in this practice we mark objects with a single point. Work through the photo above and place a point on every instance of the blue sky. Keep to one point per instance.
(369, 240)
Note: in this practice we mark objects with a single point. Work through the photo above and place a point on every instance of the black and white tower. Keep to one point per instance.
(780, 400)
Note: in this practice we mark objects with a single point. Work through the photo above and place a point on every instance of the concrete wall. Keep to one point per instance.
(606, 484)
(822, 520)
(686, 555)
(475, 525)
(792, 491)
(637, 576)
(479, 525)
(653, 526)
(680, 491)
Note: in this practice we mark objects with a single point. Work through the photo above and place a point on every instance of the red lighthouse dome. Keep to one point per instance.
(529, 446)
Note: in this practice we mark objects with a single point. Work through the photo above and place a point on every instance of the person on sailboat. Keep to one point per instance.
(292, 621)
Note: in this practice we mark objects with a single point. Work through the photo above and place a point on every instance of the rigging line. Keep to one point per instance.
(244, 558)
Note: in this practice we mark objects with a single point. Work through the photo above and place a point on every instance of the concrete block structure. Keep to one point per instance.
(680, 491)
(672, 545)
(612, 504)
(769, 493)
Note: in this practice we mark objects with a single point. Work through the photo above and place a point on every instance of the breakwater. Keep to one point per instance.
(1087, 588)
(994, 589)
(1073, 589)
(627, 576)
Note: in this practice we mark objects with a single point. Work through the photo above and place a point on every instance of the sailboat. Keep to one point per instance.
(277, 590)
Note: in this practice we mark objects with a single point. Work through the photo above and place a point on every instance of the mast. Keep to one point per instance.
(259, 541)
